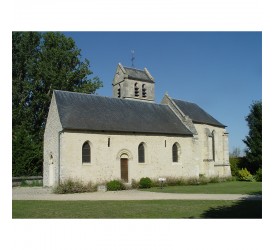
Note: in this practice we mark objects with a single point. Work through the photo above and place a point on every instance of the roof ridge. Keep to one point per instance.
(110, 97)
(184, 101)
(134, 69)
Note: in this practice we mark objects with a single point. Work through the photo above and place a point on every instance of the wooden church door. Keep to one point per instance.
(124, 169)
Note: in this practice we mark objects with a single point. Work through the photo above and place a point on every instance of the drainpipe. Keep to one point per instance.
(58, 168)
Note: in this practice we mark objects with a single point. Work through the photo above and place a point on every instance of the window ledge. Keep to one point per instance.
(176, 163)
(221, 165)
(87, 164)
(208, 160)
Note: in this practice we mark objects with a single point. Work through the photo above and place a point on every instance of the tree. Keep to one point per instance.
(236, 152)
(41, 62)
(254, 139)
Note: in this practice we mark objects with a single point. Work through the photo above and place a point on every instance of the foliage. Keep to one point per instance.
(245, 175)
(115, 185)
(215, 179)
(41, 62)
(134, 184)
(145, 182)
(234, 165)
(237, 163)
(254, 139)
(73, 186)
(27, 154)
(33, 183)
(236, 152)
(177, 181)
(258, 175)
(173, 181)
(203, 180)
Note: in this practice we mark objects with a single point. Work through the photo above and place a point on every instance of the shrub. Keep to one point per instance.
(145, 182)
(156, 183)
(31, 183)
(215, 179)
(203, 180)
(173, 181)
(245, 175)
(193, 181)
(258, 175)
(70, 186)
(234, 165)
(134, 184)
(115, 185)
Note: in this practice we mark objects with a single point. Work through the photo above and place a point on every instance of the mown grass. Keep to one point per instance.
(231, 187)
(137, 209)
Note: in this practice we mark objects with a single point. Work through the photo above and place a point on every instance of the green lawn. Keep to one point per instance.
(232, 187)
(137, 209)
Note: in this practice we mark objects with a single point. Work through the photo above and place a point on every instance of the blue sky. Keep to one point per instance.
(219, 71)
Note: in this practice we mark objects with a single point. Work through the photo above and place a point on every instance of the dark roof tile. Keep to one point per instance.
(91, 112)
(137, 74)
(196, 113)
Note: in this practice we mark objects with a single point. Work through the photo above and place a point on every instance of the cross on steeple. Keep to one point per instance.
(133, 57)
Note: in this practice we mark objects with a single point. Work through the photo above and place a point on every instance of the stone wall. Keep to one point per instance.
(51, 142)
(219, 165)
(127, 87)
(195, 153)
(105, 161)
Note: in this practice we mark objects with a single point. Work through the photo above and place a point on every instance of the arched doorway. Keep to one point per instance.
(124, 167)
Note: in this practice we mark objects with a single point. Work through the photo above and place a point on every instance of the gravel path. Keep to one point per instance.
(39, 193)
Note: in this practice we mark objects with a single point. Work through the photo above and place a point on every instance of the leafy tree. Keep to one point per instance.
(236, 152)
(254, 139)
(41, 62)
(27, 153)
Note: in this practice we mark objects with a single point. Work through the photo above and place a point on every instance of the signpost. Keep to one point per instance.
(162, 180)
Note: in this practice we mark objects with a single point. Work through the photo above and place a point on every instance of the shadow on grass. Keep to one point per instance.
(246, 208)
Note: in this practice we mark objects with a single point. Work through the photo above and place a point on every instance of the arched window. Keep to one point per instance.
(86, 153)
(141, 153)
(175, 152)
(136, 90)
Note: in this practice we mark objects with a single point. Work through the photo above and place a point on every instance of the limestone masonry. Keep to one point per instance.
(129, 136)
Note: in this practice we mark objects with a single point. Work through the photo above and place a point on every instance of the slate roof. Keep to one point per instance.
(196, 113)
(79, 111)
(137, 74)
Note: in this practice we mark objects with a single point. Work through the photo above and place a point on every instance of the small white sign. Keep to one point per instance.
(101, 188)
(162, 179)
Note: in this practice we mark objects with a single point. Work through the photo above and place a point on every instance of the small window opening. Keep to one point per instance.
(144, 94)
(86, 153)
(108, 142)
(118, 92)
(136, 90)
(165, 143)
(141, 153)
(175, 153)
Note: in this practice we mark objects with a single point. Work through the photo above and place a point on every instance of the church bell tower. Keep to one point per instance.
(134, 84)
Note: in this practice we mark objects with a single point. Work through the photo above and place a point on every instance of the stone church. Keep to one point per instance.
(129, 136)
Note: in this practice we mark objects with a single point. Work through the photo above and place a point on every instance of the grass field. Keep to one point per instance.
(231, 187)
(137, 209)
(153, 208)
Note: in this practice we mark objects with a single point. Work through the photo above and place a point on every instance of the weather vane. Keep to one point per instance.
(133, 57)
